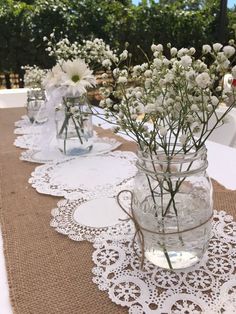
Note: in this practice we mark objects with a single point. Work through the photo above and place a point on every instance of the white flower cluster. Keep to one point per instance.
(34, 76)
(70, 78)
(172, 99)
(94, 52)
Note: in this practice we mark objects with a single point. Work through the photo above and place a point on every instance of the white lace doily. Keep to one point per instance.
(86, 177)
(29, 129)
(208, 287)
(100, 146)
(27, 141)
(87, 219)
(23, 122)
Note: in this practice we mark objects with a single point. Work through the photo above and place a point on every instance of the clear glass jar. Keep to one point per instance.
(74, 126)
(36, 106)
(172, 203)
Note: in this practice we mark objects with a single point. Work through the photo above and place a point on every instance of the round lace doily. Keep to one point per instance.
(86, 177)
(87, 219)
(23, 122)
(27, 141)
(100, 146)
(29, 129)
(208, 287)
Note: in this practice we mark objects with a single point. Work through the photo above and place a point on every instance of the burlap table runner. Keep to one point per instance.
(47, 272)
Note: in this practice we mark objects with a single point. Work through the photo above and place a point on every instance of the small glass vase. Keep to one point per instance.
(172, 204)
(36, 105)
(74, 126)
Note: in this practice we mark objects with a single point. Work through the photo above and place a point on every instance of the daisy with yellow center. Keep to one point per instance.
(77, 77)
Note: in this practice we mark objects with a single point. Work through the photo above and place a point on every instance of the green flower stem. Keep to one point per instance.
(77, 130)
(65, 123)
(65, 138)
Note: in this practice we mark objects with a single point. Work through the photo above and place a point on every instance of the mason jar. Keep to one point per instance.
(172, 205)
(74, 126)
(36, 106)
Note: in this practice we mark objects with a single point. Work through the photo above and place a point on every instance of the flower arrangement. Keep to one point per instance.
(167, 106)
(36, 105)
(70, 78)
(67, 83)
(173, 99)
(34, 76)
(96, 53)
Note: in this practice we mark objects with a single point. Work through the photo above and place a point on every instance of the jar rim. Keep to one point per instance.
(179, 164)
(155, 156)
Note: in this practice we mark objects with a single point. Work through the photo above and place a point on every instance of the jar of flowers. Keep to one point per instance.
(67, 85)
(36, 97)
(167, 105)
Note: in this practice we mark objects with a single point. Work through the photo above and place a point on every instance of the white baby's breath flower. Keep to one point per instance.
(214, 101)
(182, 52)
(109, 102)
(225, 65)
(153, 48)
(124, 55)
(169, 77)
(203, 80)
(166, 62)
(217, 47)
(163, 131)
(144, 66)
(194, 108)
(138, 95)
(116, 72)
(124, 73)
(190, 75)
(122, 80)
(209, 108)
(157, 62)
(206, 49)
(106, 63)
(173, 51)
(159, 48)
(137, 69)
(229, 51)
(192, 50)
(233, 71)
(148, 83)
(186, 61)
(148, 73)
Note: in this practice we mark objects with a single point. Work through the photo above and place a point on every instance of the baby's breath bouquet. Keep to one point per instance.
(170, 99)
(36, 97)
(96, 53)
(34, 76)
(169, 106)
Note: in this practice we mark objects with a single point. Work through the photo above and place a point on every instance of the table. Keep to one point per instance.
(222, 162)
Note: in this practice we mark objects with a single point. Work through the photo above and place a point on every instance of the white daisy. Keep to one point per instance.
(77, 77)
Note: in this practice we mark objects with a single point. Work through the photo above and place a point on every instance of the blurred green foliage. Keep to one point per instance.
(183, 23)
